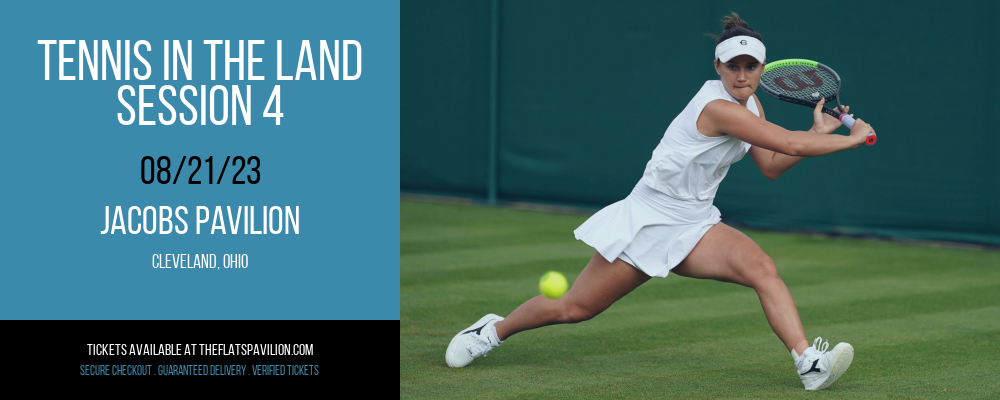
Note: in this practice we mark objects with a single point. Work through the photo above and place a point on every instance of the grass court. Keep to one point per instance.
(924, 321)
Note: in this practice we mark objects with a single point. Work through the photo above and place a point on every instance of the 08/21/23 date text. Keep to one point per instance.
(158, 170)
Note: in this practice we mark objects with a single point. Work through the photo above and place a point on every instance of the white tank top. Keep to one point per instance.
(687, 165)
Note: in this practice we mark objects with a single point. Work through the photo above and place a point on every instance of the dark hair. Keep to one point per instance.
(732, 26)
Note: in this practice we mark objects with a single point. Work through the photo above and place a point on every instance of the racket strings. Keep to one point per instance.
(801, 82)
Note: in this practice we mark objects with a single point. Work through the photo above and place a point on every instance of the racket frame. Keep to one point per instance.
(808, 103)
(844, 118)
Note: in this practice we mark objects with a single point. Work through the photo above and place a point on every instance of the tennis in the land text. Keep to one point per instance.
(196, 104)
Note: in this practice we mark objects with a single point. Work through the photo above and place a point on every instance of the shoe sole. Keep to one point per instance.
(840, 366)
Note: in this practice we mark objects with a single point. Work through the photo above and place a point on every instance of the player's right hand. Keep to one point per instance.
(859, 132)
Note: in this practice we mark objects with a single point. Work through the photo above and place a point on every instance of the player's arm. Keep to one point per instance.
(771, 163)
(721, 116)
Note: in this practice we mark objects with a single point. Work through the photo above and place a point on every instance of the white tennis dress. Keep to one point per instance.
(670, 209)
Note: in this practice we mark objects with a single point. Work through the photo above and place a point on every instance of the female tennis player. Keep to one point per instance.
(668, 222)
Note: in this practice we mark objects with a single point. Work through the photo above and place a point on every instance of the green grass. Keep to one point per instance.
(924, 321)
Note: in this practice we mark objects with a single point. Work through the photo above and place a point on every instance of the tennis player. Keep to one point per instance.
(668, 222)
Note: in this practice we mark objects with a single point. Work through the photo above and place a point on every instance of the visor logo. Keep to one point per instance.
(743, 42)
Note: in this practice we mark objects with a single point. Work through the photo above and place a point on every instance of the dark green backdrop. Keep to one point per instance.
(586, 89)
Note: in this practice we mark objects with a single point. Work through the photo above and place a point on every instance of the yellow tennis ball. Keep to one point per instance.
(553, 285)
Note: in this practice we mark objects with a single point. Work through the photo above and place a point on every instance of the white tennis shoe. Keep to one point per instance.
(474, 341)
(819, 368)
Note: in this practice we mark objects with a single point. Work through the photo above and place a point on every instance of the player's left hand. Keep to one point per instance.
(823, 123)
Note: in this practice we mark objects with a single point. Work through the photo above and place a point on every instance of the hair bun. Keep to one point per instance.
(733, 20)
(733, 25)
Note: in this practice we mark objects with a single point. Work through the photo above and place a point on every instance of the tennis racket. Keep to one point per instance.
(805, 82)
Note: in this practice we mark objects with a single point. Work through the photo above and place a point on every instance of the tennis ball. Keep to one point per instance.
(553, 285)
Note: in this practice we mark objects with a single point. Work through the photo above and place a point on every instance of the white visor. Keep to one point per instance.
(740, 45)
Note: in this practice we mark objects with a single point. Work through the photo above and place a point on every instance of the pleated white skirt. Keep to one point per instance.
(648, 229)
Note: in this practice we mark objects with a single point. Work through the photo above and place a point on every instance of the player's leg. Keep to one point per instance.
(599, 285)
(726, 254)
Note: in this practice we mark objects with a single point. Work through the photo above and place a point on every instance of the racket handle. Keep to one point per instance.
(848, 121)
